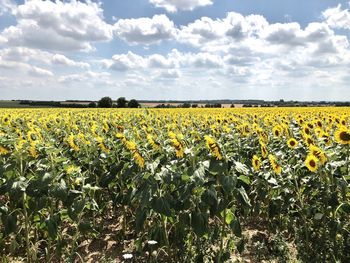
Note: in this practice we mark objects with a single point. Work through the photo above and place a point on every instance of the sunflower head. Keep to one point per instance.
(3, 151)
(292, 143)
(264, 151)
(318, 153)
(256, 162)
(275, 166)
(277, 131)
(342, 135)
(311, 163)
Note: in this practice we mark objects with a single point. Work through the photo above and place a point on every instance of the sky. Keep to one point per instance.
(175, 49)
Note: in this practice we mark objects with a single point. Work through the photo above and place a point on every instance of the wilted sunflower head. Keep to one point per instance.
(308, 140)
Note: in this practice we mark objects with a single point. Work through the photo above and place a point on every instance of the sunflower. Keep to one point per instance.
(306, 130)
(292, 143)
(342, 135)
(311, 163)
(32, 149)
(308, 140)
(256, 162)
(214, 148)
(3, 151)
(275, 166)
(139, 159)
(152, 142)
(277, 131)
(264, 151)
(178, 147)
(102, 145)
(318, 153)
(6, 120)
(72, 144)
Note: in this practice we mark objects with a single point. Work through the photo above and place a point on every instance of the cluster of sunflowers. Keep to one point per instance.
(278, 152)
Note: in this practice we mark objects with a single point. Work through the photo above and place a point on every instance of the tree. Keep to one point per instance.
(105, 102)
(133, 104)
(92, 105)
(121, 102)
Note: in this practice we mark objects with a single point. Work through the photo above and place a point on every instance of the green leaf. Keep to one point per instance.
(229, 216)
(218, 167)
(10, 223)
(47, 178)
(161, 206)
(60, 191)
(200, 172)
(199, 223)
(52, 226)
(241, 168)
(236, 227)
(140, 219)
(272, 181)
(228, 183)
(244, 196)
(245, 179)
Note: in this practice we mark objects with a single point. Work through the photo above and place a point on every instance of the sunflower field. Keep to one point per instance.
(177, 185)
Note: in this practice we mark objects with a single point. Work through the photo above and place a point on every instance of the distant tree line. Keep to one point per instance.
(105, 102)
(189, 105)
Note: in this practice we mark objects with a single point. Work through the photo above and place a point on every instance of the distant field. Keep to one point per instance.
(154, 104)
(15, 104)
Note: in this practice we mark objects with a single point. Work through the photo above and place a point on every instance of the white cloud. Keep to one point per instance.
(36, 71)
(124, 62)
(174, 59)
(169, 74)
(175, 5)
(145, 30)
(29, 55)
(87, 77)
(63, 60)
(6, 6)
(159, 61)
(234, 28)
(337, 17)
(58, 25)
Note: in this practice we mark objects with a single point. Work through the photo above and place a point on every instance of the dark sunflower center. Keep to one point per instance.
(312, 163)
(292, 143)
(344, 136)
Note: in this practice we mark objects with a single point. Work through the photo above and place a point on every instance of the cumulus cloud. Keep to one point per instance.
(145, 30)
(7, 6)
(173, 60)
(234, 28)
(87, 76)
(169, 74)
(175, 5)
(337, 17)
(63, 60)
(29, 55)
(58, 25)
(36, 71)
